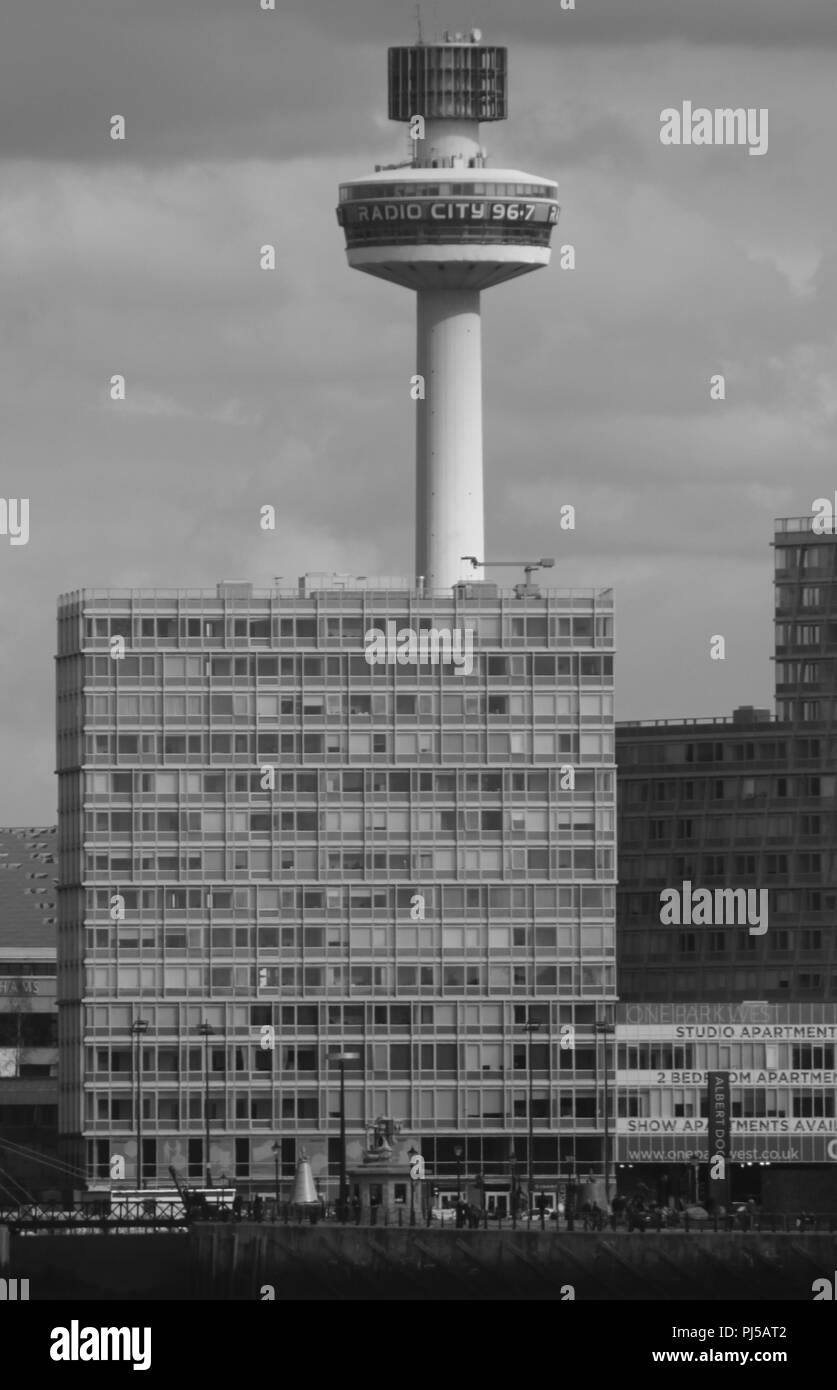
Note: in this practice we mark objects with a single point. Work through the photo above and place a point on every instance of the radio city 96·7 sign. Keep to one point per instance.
(444, 210)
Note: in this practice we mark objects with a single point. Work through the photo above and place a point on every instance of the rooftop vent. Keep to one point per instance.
(749, 714)
(475, 588)
(321, 582)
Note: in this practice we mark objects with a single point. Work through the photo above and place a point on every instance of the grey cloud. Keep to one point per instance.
(218, 78)
(750, 22)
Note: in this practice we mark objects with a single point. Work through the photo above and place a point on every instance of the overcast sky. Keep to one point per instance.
(248, 387)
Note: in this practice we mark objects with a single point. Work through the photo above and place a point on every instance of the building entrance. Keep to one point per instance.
(497, 1202)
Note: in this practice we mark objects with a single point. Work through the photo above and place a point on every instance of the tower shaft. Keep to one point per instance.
(449, 493)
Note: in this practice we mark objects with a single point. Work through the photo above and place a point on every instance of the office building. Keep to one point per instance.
(296, 906)
(735, 806)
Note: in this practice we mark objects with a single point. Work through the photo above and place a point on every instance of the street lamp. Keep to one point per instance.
(276, 1150)
(138, 1028)
(530, 1027)
(206, 1030)
(601, 1026)
(341, 1058)
(411, 1154)
(457, 1153)
(696, 1174)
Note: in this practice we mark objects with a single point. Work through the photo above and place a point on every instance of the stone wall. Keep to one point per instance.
(332, 1262)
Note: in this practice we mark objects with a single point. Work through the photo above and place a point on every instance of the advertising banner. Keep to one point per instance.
(719, 1148)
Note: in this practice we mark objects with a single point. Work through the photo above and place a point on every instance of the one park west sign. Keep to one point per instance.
(429, 647)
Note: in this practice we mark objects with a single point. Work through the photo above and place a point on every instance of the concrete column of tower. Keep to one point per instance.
(449, 500)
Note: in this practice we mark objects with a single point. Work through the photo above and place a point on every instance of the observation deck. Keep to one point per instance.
(455, 228)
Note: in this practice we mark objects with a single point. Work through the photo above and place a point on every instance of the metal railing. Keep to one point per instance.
(705, 720)
(32, 1219)
(655, 1221)
(152, 1214)
(208, 602)
(35, 1217)
(793, 523)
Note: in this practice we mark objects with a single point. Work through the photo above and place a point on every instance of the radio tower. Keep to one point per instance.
(447, 226)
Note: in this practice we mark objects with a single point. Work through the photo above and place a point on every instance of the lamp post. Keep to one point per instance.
(138, 1028)
(206, 1030)
(457, 1153)
(530, 1027)
(601, 1026)
(276, 1149)
(341, 1058)
(411, 1154)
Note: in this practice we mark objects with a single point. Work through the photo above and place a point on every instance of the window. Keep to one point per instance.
(810, 1058)
(745, 864)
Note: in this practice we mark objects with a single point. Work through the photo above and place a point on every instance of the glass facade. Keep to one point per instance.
(493, 188)
(264, 830)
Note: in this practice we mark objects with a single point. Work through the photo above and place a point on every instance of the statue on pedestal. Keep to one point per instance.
(379, 1139)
